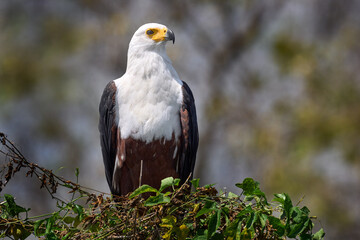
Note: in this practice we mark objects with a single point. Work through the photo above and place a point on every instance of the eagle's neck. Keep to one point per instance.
(149, 96)
(150, 63)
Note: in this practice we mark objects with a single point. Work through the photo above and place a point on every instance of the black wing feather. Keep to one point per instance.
(108, 129)
(190, 134)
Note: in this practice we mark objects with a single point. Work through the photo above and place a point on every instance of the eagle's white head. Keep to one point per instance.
(151, 36)
(149, 94)
(147, 50)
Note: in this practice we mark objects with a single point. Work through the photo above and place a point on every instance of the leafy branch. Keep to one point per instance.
(170, 212)
(48, 180)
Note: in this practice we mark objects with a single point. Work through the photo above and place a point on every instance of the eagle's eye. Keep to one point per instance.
(149, 32)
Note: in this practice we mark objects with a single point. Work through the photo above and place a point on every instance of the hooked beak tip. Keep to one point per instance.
(171, 36)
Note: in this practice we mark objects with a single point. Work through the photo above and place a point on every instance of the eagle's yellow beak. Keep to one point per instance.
(160, 34)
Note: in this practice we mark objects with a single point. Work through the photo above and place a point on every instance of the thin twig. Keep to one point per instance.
(141, 172)
(182, 187)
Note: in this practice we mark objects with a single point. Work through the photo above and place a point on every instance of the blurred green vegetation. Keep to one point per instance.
(276, 83)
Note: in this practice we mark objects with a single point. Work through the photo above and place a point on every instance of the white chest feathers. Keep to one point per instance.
(148, 107)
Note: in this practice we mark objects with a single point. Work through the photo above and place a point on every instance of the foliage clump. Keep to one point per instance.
(170, 212)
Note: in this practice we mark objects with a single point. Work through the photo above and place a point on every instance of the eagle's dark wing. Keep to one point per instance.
(190, 134)
(108, 129)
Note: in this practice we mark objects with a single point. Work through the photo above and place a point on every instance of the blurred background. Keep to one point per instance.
(276, 83)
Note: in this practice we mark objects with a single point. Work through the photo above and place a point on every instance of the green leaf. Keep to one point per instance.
(183, 232)
(11, 207)
(49, 224)
(176, 182)
(77, 171)
(238, 231)
(277, 225)
(231, 229)
(279, 197)
(248, 198)
(263, 218)
(165, 183)
(232, 195)
(225, 211)
(158, 199)
(251, 220)
(78, 209)
(37, 225)
(168, 221)
(248, 185)
(67, 236)
(214, 222)
(297, 229)
(306, 237)
(195, 182)
(68, 220)
(209, 206)
(234, 229)
(296, 214)
(76, 221)
(201, 234)
(246, 234)
(245, 211)
(305, 210)
(68, 186)
(209, 185)
(51, 236)
(18, 232)
(203, 211)
(260, 194)
(143, 189)
(319, 235)
(287, 204)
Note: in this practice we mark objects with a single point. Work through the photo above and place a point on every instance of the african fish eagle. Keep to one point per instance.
(148, 126)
